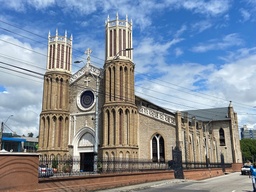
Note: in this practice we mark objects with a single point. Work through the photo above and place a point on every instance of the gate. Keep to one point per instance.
(222, 162)
(177, 163)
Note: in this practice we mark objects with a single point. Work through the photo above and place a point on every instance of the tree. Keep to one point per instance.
(248, 148)
(30, 134)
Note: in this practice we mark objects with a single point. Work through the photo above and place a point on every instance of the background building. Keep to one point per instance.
(16, 143)
(247, 133)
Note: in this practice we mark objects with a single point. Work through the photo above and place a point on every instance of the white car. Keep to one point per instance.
(44, 171)
(245, 170)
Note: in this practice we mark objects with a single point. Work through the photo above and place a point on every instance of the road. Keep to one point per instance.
(233, 182)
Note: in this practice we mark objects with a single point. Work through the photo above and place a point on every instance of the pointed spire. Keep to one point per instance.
(106, 21)
(49, 34)
(56, 32)
(116, 15)
(126, 17)
(71, 37)
(66, 33)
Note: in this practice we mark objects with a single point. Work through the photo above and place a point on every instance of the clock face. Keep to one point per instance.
(87, 99)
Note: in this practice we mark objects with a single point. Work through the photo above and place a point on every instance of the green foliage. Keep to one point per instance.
(55, 163)
(248, 148)
(67, 165)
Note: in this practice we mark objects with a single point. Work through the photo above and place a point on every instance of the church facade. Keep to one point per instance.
(94, 113)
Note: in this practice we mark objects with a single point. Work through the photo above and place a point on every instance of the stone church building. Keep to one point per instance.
(94, 113)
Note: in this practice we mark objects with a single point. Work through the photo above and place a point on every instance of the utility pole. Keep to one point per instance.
(1, 134)
(2, 130)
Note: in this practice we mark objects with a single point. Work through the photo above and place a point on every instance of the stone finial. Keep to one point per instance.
(230, 104)
(88, 53)
(56, 32)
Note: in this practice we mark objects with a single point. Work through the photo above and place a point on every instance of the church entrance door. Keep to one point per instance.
(87, 162)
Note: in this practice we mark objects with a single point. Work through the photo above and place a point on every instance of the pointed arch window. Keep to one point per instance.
(222, 137)
(157, 148)
(154, 149)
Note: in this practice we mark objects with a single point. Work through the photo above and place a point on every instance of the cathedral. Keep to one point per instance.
(94, 113)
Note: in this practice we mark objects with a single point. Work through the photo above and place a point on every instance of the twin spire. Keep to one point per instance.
(117, 18)
(56, 34)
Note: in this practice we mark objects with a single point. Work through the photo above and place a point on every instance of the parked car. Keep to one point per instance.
(45, 171)
(245, 170)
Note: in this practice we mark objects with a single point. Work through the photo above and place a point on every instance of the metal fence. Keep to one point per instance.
(73, 166)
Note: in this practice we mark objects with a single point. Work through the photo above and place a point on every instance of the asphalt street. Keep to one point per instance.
(233, 182)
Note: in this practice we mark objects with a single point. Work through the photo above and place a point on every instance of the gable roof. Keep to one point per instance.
(91, 69)
(213, 114)
(151, 105)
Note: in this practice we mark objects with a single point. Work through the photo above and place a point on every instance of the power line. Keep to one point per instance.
(103, 93)
(22, 68)
(161, 81)
(137, 72)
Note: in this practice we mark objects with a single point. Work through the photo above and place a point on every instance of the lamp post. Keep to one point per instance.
(78, 61)
(2, 130)
(117, 55)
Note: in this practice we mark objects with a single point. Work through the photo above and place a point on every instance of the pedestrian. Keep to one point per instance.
(253, 175)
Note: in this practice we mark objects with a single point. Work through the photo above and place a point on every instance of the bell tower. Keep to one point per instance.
(54, 118)
(120, 115)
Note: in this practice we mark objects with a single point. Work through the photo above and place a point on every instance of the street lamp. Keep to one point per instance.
(117, 55)
(7, 119)
(78, 61)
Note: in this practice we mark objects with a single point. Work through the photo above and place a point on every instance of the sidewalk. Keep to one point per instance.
(142, 185)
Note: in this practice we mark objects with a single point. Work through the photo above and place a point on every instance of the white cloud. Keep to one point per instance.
(239, 54)
(13, 4)
(41, 4)
(216, 44)
(245, 15)
(201, 25)
(182, 85)
(180, 31)
(178, 52)
(212, 7)
(23, 92)
(236, 79)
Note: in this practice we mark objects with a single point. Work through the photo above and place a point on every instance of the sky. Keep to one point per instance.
(188, 54)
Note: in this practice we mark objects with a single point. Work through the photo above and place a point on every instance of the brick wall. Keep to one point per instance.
(18, 171)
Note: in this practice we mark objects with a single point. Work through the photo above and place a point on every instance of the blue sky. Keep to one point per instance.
(189, 54)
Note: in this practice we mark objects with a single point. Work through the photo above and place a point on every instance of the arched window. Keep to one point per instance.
(222, 137)
(154, 149)
(158, 152)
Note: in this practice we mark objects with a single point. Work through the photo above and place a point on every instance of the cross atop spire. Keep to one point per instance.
(88, 53)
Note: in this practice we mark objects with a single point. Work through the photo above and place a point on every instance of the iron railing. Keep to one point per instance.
(73, 166)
